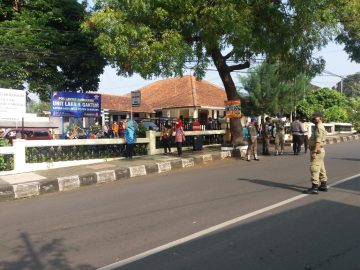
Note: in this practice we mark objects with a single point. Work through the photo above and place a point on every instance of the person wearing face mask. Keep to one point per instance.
(130, 138)
(179, 136)
(317, 155)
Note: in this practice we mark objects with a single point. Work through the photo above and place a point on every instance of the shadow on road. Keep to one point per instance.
(352, 185)
(321, 235)
(273, 184)
(44, 257)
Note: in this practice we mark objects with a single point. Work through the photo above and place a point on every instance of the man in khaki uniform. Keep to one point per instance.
(317, 155)
(279, 136)
(252, 141)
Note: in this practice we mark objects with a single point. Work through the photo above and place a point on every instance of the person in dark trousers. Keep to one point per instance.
(179, 136)
(266, 131)
(130, 138)
(252, 146)
(297, 130)
(165, 137)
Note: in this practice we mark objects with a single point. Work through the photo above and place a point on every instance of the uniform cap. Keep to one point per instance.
(317, 114)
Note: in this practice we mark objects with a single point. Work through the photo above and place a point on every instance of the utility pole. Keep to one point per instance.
(339, 76)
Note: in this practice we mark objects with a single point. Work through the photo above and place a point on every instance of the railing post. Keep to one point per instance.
(151, 135)
(19, 154)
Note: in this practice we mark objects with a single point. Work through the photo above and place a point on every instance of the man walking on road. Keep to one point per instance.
(317, 155)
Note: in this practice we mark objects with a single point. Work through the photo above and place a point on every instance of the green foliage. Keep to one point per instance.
(4, 142)
(351, 85)
(6, 161)
(336, 114)
(350, 35)
(141, 131)
(354, 112)
(333, 104)
(155, 37)
(164, 38)
(39, 108)
(41, 44)
(269, 93)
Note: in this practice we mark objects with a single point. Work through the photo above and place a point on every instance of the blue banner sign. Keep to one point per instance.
(75, 104)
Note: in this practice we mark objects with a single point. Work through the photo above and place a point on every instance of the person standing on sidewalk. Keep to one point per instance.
(297, 131)
(165, 137)
(115, 129)
(179, 136)
(252, 140)
(130, 138)
(317, 155)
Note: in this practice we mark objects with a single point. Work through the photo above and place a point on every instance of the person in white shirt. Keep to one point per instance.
(307, 133)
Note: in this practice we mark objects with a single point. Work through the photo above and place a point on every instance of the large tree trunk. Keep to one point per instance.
(230, 88)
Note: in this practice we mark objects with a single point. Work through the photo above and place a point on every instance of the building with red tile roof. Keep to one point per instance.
(171, 98)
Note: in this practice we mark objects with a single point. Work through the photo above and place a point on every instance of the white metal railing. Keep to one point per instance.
(20, 145)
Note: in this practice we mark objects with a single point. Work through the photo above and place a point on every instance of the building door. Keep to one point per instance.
(203, 116)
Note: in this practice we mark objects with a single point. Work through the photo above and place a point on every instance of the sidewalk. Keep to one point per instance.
(23, 185)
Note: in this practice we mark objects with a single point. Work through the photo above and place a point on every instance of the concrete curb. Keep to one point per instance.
(73, 182)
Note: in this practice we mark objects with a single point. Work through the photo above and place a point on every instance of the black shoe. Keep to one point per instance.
(256, 159)
(313, 190)
(323, 187)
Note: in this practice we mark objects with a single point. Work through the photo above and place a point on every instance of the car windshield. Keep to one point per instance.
(149, 124)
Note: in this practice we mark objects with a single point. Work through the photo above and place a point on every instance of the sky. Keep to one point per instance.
(337, 62)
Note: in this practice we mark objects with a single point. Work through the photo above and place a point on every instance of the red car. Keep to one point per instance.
(29, 134)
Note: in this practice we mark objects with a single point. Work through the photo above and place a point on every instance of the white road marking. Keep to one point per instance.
(212, 229)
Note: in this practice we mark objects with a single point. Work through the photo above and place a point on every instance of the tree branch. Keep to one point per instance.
(229, 55)
(239, 66)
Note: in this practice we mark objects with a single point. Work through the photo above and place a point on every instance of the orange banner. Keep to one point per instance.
(233, 108)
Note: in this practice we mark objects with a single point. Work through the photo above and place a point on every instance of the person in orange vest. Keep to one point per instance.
(115, 129)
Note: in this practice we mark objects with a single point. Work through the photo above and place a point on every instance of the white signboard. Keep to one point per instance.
(12, 104)
(135, 98)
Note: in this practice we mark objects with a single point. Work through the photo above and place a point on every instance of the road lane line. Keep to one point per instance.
(212, 229)
(344, 180)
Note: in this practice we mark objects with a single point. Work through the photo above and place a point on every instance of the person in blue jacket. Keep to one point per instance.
(130, 138)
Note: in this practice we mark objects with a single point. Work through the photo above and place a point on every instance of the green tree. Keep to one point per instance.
(350, 35)
(355, 113)
(163, 38)
(269, 93)
(351, 85)
(38, 107)
(42, 46)
(263, 87)
(333, 104)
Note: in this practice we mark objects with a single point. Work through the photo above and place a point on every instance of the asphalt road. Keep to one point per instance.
(100, 225)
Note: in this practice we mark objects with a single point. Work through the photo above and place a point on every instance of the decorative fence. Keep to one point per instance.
(43, 154)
